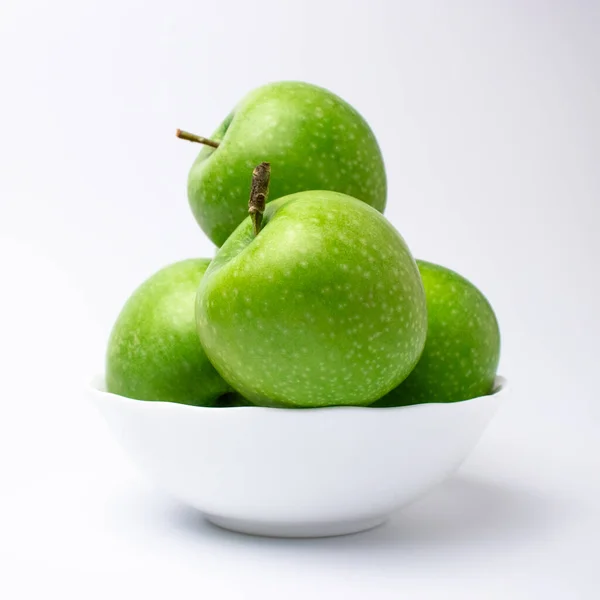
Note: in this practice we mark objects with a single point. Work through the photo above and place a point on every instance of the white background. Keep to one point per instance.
(487, 114)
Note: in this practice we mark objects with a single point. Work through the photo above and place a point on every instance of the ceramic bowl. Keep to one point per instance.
(297, 473)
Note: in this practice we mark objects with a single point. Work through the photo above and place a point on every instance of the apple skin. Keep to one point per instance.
(462, 351)
(153, 351)
(325, 306)
(313, 139)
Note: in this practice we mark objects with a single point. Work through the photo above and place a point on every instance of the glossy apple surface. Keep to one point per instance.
(462, 351)
(325, 306)
(313, 139)
(154, 352)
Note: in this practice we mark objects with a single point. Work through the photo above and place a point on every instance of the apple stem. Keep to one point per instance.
(258, 194)
(192, 137)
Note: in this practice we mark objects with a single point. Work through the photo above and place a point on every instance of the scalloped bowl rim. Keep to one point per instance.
(97, 386)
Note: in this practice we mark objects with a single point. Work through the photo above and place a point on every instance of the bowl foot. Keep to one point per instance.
(296, 529)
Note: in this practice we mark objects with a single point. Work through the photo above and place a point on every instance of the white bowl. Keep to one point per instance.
(297, 472)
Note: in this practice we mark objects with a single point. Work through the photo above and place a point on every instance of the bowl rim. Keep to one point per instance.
(97, 387)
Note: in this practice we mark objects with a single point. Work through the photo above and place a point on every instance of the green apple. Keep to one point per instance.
(462, 351)
(313, 139)
(154, 352)
(324, 306)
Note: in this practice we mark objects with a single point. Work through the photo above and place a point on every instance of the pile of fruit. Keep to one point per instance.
(313, 298)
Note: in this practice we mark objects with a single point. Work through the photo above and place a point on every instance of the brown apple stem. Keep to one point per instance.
(192, 137)
(258, 194)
